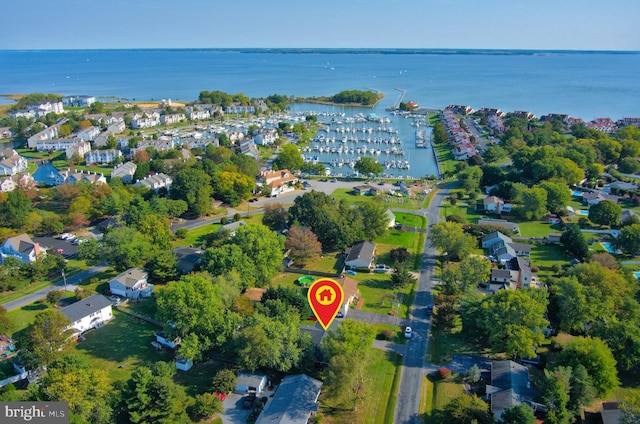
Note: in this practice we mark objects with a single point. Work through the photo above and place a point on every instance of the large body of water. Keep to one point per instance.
(582, 84)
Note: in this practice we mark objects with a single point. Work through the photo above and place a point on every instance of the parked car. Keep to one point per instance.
(408, 333)
(249, 400)
(429, 310)
(352, 272)
(382, 269)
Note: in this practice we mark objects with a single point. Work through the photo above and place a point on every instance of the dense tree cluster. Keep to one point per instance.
(366, 98)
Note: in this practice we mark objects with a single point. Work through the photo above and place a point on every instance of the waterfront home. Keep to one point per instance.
(132, 284)
(78, 101)
(125, 172)
(145, 119)
(239, 109)
(89, 313)
(21, 248)
(265, 136)
(460, 110)
(11, 162)
(88, 134)
(77, 150)
(488, 111)
(521, 114)
(156, 182)
(172, 118)
(604, 125)
(69, 177)
(277, 181)
(196, 115)
(48, 133)
(56, 144)
(36, 110)
(495, 124)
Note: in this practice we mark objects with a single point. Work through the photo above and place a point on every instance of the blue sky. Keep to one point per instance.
(486, 24)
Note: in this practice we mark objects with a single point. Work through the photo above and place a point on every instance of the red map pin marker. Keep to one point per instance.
(325, 298)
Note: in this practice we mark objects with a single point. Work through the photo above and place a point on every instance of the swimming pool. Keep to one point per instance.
(609, 248)
(577, 193)
(636, 274)
(581, 212)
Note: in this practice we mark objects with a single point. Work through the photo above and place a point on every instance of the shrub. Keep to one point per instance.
(444, 373)
(54, 296)
(224, 220)
(182, 233)
(387, 334)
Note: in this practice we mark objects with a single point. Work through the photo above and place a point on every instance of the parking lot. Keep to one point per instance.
(69, 249)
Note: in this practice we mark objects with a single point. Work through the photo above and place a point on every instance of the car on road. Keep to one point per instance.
(352, 272)
(429, 309)
(255, 199)
(408, 333)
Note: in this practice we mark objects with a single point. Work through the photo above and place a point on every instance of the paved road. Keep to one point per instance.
(72, 282)
(414, 368)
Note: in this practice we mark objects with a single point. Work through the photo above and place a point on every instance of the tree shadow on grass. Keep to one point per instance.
(38, 306)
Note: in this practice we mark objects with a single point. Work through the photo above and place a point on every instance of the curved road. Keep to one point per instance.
(414, 368)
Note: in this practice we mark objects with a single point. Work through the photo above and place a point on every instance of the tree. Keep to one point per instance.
(399, 255)
(194, 187)
(302, 244)
(207, 404)
(46, 337)
(90, 249)
(374, 219)
(449, 238)
(573, 307)
(473, 271)
(510, 321)
(232, 187)
(558, 195)
(533, 203)
(574, 242)
(629, 165)
(605, 213)
(54, 296)
(224, 381)
(87, 390)
(518, 414)
(473, 374)
(597, 359)
(15, 209)
(466, 410)
(264, 247)
(151, 396)
(224, 259)
(126, 248)
(470, 179)
(401, 277)
(289, 158)
(555, 393)
(275, 216)
(5, 322)
(622, 335)
(368, 165)
(163, 266)
(581, 392)
(629, 239)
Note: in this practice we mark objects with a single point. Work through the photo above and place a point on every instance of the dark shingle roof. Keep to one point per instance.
(85, 307)
(293, 402)
(361, 250)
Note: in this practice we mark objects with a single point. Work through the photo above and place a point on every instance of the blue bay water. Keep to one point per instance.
(582, 84)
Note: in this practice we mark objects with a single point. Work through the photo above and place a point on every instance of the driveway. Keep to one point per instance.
(234, 412)
(55, 244)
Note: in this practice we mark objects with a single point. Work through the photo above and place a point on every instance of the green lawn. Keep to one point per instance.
(381, 392)
(119, 346)
(439, 393)
(537, 228)
(545, 255)
(445, 157)
(8, 296)
(197, 236)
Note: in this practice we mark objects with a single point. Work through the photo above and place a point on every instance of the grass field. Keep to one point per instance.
(546, 255)
(379, 405)
(438, 394)
(197, 236)
(119, 346)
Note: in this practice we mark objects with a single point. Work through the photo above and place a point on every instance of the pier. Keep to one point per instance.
(402, 93)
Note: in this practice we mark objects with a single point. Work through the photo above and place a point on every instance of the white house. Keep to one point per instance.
(265, 136)
(125, 172)
(92, 312)
(48, 133)
(78, 101)
(20, 247)
(70, 177)
(172, 118)
(250, 383)
(102, 156)
(131, 284)
(56, 144)
(360, 255)
(11, 162)
(80, 149)
(7, 184)
(156, 182)
(88, 134)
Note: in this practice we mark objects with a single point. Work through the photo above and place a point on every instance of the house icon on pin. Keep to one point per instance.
(326, 296)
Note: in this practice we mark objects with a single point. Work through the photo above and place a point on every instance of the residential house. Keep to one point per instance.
(350, 291)
(278, 181)
(56, 144)
(495, 124)
(265, 136)
(239, 109)
(161, 145)
(517, 274)
(195, 115)
(188, 258)
(11, 163)
(493, 204)
(88, 134)
(361, 190)
(503, 248)
(232, 227)
(611, 413)
(145, 119)
(460, 109)
(172, 118)
(553, 219)
(102, 156)
(114, 128)
(617, 186)
(248, 147)
(295, 401)
(509, 386)
(360, 255)
(131, 284)
(79, 149)
(521, 114)
(605, 125)
(502, 279)
(488, 111)
(20, 247)
(89, 313)
(250, 382)
(502, 223)
(7, 184)
(595, 197)
(156, 182)
(78, 101)
(125, 172)
(6, 132)
(628, 215)
(69, 177)
(48, 133)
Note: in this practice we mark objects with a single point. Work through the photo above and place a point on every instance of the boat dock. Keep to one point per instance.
(402, 93)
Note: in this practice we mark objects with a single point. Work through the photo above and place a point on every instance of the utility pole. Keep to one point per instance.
(64, 279)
